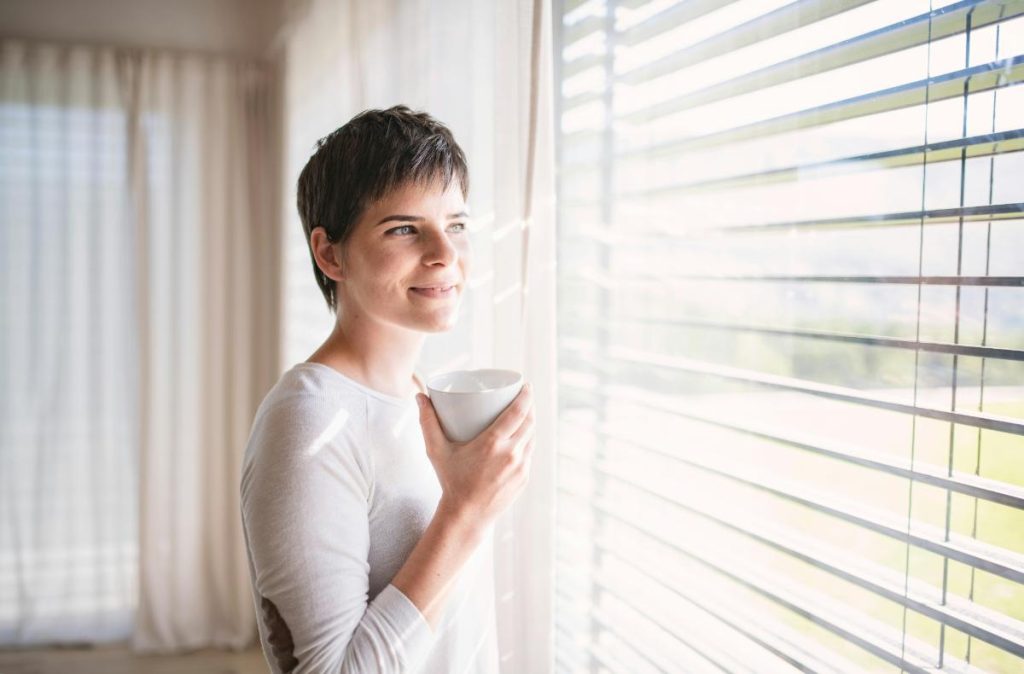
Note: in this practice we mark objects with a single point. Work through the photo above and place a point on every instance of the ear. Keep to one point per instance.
(326, 254)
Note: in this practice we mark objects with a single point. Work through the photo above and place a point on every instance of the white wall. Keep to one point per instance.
(243, 27)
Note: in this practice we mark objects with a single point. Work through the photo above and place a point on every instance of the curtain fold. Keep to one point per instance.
(204, 217)
(165, 317)
(484, 69)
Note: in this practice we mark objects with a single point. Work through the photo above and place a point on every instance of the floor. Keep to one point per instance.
(111, 660)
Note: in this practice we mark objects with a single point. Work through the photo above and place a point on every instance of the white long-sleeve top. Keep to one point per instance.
(336, 491)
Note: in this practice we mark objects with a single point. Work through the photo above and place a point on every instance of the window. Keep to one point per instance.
(791, 336)
(68, 469)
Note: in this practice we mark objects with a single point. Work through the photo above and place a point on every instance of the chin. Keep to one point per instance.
(440, 322)
(439, 326)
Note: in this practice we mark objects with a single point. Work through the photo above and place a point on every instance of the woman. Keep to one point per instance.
(368, 537)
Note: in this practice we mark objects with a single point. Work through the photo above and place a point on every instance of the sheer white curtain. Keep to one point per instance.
(68, 452)
(140, 306)
(484, 70)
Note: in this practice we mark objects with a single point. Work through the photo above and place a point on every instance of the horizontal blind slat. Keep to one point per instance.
(591, 276)
(981, 145)
(783, 20)
(671, 17)
(940, 23)
(773, 636)
(936, 216)
(813, 605)
(993, 422)
(717, 658)
(861, 630)
(960, 349)
(984, 77)
(967, 551)
(634, 642)
(1009, 635)
(958, 149)
(970, 485)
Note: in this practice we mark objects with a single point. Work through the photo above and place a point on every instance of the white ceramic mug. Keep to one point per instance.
(468, 401)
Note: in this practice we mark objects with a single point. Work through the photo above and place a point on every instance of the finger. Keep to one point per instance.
(528, 451)
(433, 435)
(512, 416)
(524, 465)
(525, 431)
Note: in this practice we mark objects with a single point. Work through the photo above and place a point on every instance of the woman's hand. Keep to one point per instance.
(482, 477)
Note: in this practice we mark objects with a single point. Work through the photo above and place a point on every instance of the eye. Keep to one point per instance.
(397, 231)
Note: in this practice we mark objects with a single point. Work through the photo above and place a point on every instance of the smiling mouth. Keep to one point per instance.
(436, 292)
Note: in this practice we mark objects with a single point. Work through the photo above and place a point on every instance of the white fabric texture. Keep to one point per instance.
(483, 69)
(207, 295)
(336, 490)
(68, 449)
(139, 259)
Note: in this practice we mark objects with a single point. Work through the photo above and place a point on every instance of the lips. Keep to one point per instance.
(438, 285)
(439, 292)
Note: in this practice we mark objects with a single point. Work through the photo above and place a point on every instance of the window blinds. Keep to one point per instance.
(791, 336)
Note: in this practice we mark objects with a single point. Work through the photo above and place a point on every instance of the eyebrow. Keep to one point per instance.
(416, 218)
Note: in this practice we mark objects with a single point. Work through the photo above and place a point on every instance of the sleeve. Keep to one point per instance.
(305, 509)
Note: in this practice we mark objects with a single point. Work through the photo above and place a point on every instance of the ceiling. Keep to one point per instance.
(241, 27)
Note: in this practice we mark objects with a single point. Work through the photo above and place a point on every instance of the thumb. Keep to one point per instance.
(432, 433)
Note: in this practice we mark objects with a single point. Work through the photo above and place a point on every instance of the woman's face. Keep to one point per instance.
(412, 239)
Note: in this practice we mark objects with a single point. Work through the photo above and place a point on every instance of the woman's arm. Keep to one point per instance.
(305, 510)
(429, 572)
(479, 479)
(305, 515)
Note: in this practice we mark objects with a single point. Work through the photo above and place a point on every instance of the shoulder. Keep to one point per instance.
(305, 423)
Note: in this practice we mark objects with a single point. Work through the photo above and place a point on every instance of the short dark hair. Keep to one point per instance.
(376, 152)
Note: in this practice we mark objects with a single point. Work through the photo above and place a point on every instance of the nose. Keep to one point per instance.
(439, 249)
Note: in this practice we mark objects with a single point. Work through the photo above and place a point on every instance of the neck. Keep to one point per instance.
(377, 355)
